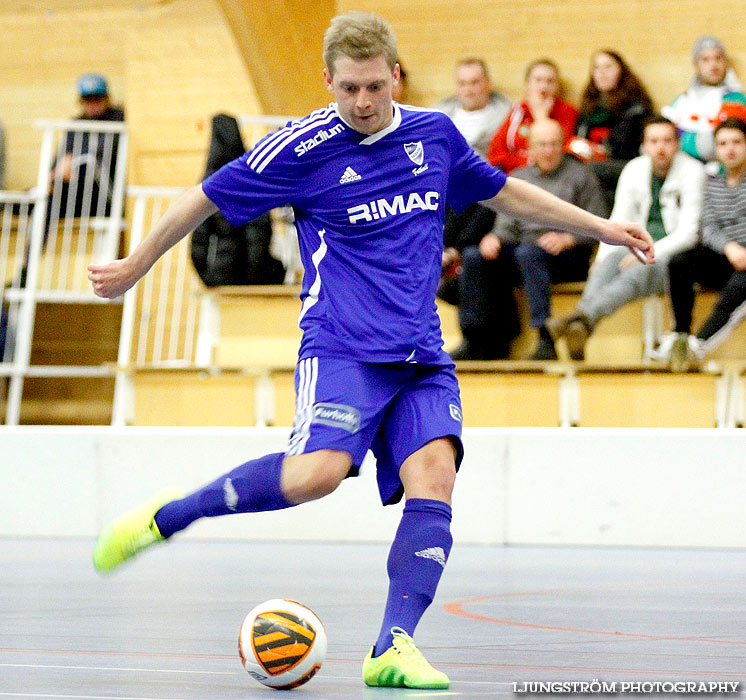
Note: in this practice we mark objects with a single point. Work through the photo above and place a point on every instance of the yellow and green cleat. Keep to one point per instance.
(130, 534)
(402, 666)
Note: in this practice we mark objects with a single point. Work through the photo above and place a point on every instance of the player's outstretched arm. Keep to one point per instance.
(524, 200)
(183, 216)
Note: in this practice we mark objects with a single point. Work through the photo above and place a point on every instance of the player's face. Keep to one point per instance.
(661, 144)
(362, 89)
(730, 148)
(711, 66)
(472, 86)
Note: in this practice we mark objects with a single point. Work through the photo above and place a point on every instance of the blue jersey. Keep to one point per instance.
(369, 211)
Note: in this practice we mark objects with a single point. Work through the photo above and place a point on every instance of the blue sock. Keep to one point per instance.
(250, 488)
(416, 561)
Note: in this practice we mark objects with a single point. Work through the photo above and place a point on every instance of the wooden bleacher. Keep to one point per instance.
(259, 325)
(65, 334)
(250, 377)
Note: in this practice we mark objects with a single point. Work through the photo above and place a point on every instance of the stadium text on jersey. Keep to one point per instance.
(319, 137)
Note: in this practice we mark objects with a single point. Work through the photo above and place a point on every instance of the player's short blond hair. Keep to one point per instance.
(359, 35)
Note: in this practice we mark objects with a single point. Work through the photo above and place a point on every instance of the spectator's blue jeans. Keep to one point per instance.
(540, 269)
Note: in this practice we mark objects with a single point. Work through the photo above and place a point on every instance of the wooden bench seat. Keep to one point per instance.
(258, 324)
(493, 394)
(650, 397)
(507, 394)
(254, 324)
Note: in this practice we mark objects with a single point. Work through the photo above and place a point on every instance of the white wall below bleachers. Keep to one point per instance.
(517, 486)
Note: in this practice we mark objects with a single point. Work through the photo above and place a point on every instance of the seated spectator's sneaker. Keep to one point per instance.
(545, 350)
(662, 352)
(697, 347)
(557, 327)
(682, 355)
(402, 666)
(130, 534)
(576, 336)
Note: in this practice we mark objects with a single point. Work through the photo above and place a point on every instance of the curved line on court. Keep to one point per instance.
(457, 608)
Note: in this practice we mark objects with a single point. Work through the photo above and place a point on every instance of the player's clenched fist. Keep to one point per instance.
(111, 279)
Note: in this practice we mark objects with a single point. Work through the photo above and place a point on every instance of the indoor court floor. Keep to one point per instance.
(165, 627)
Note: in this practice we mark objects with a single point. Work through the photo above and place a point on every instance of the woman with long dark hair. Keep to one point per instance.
(613, 110)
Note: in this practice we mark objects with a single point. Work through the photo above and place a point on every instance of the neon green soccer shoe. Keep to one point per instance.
(130, 534)
(402, 666)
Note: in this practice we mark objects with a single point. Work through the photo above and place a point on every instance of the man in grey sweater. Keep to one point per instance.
(541, 255)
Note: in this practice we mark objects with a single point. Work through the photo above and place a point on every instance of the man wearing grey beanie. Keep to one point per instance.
(713, 93)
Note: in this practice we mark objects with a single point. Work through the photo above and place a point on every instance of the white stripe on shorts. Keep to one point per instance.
(308, 371)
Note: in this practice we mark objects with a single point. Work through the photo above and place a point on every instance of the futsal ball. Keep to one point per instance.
(282, 644)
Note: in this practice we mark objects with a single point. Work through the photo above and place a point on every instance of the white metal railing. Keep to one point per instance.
(85, 181)
(15, 233)
(49, 235)
(161, 313)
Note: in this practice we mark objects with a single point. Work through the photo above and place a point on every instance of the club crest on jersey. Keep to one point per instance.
(416, 152)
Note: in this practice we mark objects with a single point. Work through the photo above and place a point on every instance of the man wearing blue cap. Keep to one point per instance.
(95, 105)
(82, 152)
(94, 99)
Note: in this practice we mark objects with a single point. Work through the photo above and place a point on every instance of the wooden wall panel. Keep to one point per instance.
(655, 36)
(183, 66)
(281, 41)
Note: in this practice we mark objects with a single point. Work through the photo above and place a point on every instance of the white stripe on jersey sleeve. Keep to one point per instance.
(263, 146)
(292, 133)
(412, 108)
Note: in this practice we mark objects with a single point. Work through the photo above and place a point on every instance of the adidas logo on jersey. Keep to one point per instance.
(349, 175)
(435, 553)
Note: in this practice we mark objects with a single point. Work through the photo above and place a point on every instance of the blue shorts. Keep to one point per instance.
(391, 409)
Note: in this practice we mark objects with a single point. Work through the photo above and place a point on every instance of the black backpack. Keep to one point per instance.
(232, 255)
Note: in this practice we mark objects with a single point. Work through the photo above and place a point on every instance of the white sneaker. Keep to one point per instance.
(696, 347)
(662, 352)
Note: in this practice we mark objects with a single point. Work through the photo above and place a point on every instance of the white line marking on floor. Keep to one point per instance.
(119, 668)
(82, 697)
